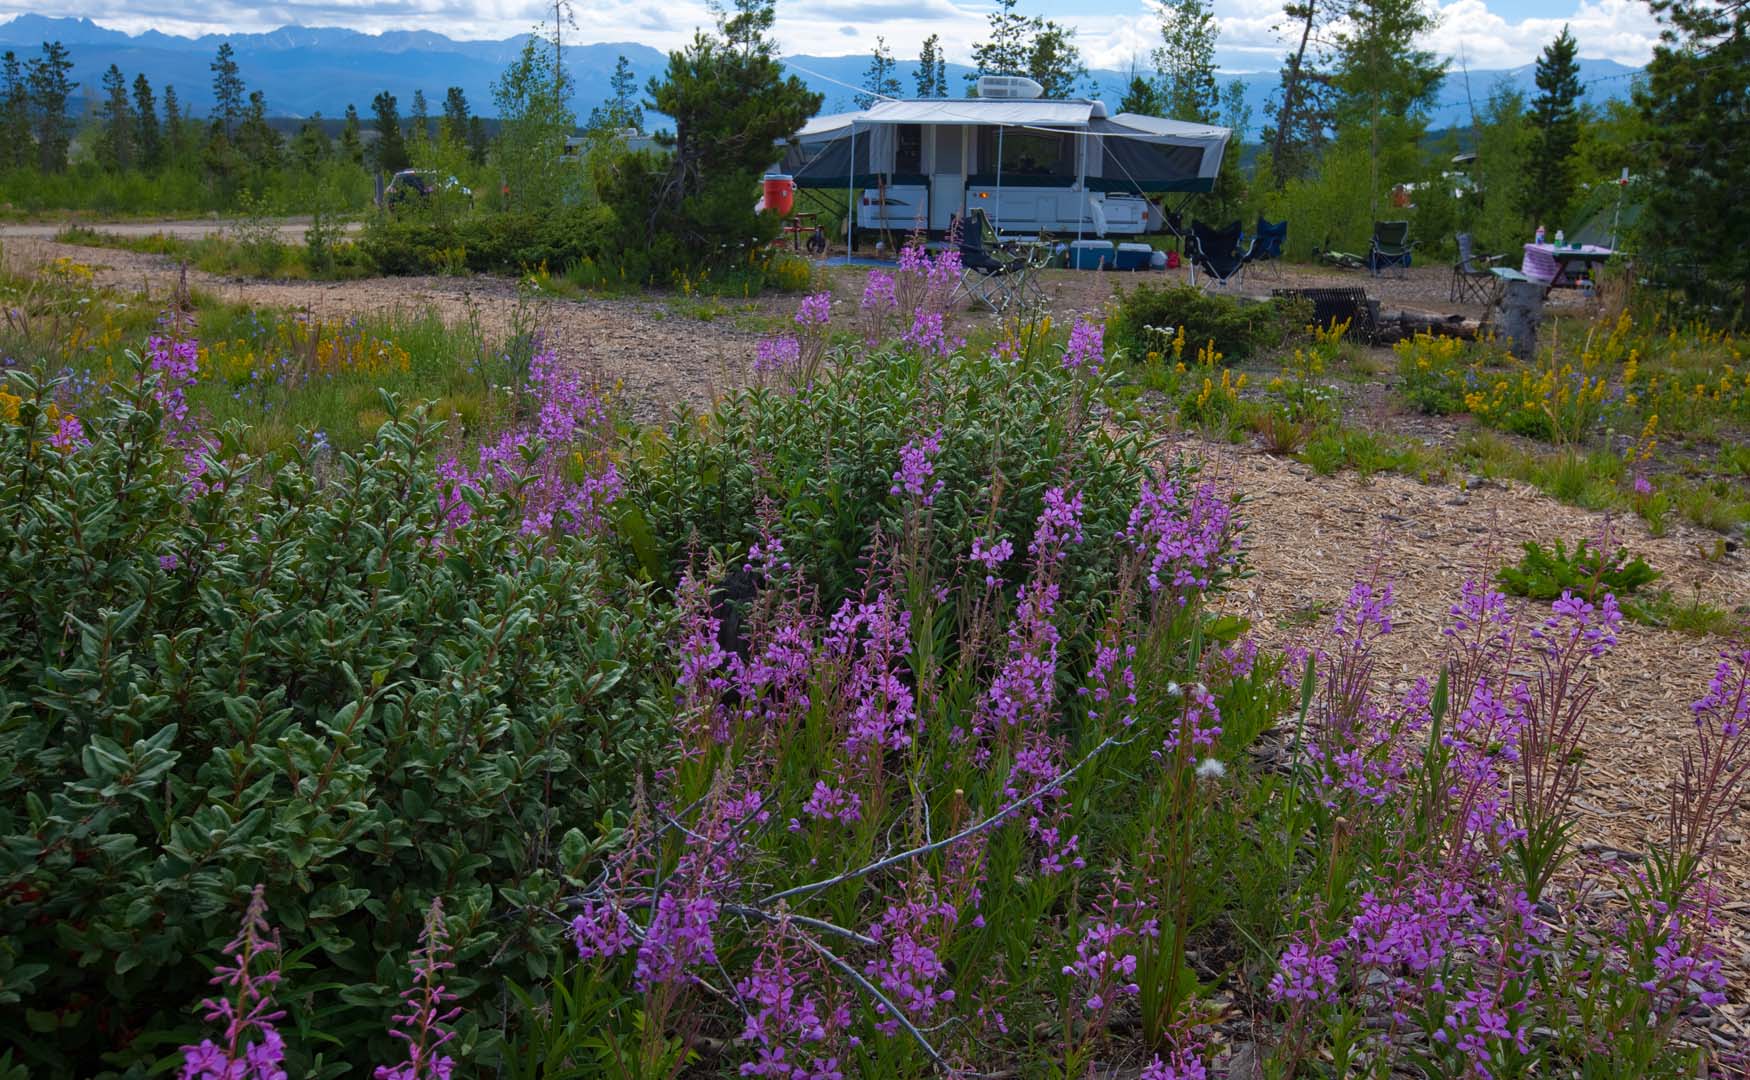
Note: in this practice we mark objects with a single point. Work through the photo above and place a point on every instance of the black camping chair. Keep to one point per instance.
(1218, 252)
(993, 273)
(1391, 247)
(1473, 275)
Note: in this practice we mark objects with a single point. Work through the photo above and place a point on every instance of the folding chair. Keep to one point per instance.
(1391, 247)
(1473, 276)
(1268, 240)
(1218, 252)
(993, 273)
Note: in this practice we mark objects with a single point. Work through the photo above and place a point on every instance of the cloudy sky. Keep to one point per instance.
(1485, 33)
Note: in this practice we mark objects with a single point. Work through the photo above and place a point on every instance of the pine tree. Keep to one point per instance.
(50, 86)
(931, 77)
(1054, 61)
(227, 90)
(1141, 96)
(115, 141)
(389, 154)
(881, 78)
(148, 141)
(1185, 61)
(352, 145)
(311, 146)
(1007, 43)
(419, 123)
(1555, 115)
(1696, 102)
(1297, 135)
(257, 141)
(453, 125)
(1383, 84)
(621, 110)
(15, 119)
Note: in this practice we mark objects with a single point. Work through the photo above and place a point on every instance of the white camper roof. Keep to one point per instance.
(1000, 111)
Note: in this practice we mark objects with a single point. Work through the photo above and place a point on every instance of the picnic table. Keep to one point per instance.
(1562, 266)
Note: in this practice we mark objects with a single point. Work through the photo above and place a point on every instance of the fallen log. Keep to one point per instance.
(1393, 326)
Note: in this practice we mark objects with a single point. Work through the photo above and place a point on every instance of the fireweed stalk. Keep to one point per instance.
(851, 972)
(251, 1047)
(425, 1026)
(1447, 959)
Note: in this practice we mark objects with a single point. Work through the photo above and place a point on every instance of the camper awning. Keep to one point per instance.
(1127, 152)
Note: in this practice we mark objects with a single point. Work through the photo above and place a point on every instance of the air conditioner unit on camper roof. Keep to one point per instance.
(1008, 86)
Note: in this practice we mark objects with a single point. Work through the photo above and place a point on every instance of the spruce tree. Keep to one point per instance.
(931, 77)
(228, 100)
(453, 125)
(15, 145)
(1696, 101)
(1555, 115)
(352, 145)
(621, 110)
(50, 85)
(389, 154)
(148, 140)
(175, 129)
(1384, 85)
(419, 123)
(115, 141)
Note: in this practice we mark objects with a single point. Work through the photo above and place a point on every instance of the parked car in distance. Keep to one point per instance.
(422, 184)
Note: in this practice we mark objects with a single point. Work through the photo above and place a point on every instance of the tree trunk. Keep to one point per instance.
(1290, 97)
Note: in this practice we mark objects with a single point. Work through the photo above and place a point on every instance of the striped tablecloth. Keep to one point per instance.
(1555, 266)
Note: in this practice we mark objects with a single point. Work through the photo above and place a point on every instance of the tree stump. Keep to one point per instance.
(1520, 309)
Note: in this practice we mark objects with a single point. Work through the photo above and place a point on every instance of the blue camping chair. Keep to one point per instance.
(1268, 241)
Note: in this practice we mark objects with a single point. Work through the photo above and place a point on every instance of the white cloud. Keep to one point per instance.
(1486, 32)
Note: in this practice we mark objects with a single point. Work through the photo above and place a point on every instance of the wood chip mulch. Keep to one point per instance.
(1311, 537)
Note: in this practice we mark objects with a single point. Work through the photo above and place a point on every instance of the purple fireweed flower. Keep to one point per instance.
(991, 555)
(1060, 523)
(790, 1025)
(777, 354)
(602, 930)
(1575, 621)
(915, 470)
(909, 968)
(873, 639)
(1179, 1065)
(878, 292)
(1087, 346)
(929, 334)
(814, 310)
(425, 1026)
(1306, 973)
(1188, 541)
(251, 1048)
(833, 804)
(1103, 966)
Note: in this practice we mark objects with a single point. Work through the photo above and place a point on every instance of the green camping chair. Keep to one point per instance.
(1391, 247)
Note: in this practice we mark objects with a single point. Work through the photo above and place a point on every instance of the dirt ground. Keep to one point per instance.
(1310, 537)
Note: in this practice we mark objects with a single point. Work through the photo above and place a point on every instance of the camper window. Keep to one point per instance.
(908, 149)
(1027, 152)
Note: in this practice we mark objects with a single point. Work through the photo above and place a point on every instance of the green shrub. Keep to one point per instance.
(821, 462)
(1545, 574)
(283, 680)
(1238, 329)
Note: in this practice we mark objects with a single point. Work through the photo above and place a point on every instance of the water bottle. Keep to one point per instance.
(1540, 234)
(1560, 239)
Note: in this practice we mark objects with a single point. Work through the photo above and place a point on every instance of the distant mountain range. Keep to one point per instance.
(305, 70)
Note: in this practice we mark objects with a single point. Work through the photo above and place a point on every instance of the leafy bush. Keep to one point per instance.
(1545, 574)
(816, 466)
(286, 672)
(1147, 315)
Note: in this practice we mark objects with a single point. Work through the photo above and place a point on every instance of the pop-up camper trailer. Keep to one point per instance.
(1031, 164)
